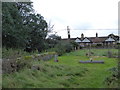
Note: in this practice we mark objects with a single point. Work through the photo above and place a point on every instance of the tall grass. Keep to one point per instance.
(66, 73)
(97, 52)
(48, 76)
(97, 73)
(13, 53)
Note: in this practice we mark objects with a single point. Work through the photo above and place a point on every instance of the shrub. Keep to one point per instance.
(62, 48)
(68, 47)
(112, 80)
(75, 45)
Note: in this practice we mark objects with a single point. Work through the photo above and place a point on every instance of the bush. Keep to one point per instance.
(62, 48)
(68, 47)
(117, 46)
(75, 45)
(16, 59)
(112, 80)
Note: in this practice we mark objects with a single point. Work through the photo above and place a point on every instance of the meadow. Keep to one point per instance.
(66, 73)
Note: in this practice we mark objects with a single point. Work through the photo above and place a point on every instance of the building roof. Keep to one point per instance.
(86, 40)
(110, 40)
(98, 39)
(77, 40)
(110, 37)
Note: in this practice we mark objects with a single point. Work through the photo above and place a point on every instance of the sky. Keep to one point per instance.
(82, 16)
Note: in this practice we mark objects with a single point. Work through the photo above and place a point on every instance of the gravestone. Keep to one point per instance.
(91, 61)
(56, 58)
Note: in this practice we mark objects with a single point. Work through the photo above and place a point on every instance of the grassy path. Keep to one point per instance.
(96, 74)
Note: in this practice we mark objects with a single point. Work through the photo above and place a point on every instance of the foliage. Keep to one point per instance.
(52, 40)
(75, 45)
(12, 53)
(14, 60)
(117, 46)
(112, 79)
(11, 25)
(22, 27)
(60, 49)
(68, 47)
(54, 37)
(63, 47)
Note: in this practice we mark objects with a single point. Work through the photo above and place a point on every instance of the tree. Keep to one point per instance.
(14, 33)
(22, 27)
(38, 32)
(52, 40)
(74, 44)
(50, 27)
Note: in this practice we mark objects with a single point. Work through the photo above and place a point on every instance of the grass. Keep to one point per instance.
(13, 53)
(67, 73)
(48, 76)
(97, 73)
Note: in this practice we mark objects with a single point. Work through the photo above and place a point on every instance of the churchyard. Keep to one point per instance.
(67, 72)
(35, 54)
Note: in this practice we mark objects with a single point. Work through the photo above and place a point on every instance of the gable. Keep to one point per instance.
(86, 40)
(77, 40)
(110, 40)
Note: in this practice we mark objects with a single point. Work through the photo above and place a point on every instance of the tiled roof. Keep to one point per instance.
(98, 39)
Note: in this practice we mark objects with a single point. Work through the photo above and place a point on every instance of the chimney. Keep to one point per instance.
(96, 34)
(68, 30)
(82, 36)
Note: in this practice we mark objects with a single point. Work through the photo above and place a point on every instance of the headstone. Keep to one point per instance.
(91, 59)
(56, 58)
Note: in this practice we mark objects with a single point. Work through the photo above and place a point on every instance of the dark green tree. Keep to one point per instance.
(38, 32)
(74, 44)
(14, 32)
(22, 27)
(52, 40)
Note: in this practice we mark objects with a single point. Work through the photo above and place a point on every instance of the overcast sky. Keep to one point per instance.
(80, 14)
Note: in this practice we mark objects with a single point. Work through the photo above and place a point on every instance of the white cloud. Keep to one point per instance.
(80, 14)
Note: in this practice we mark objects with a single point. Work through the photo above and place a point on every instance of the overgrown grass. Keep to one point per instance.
(48, 76)
(67, 73)
(97, 73)
(13, 53)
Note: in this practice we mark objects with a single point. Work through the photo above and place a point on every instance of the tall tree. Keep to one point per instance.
(13, 30)
(21, 26)
(38, 32)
